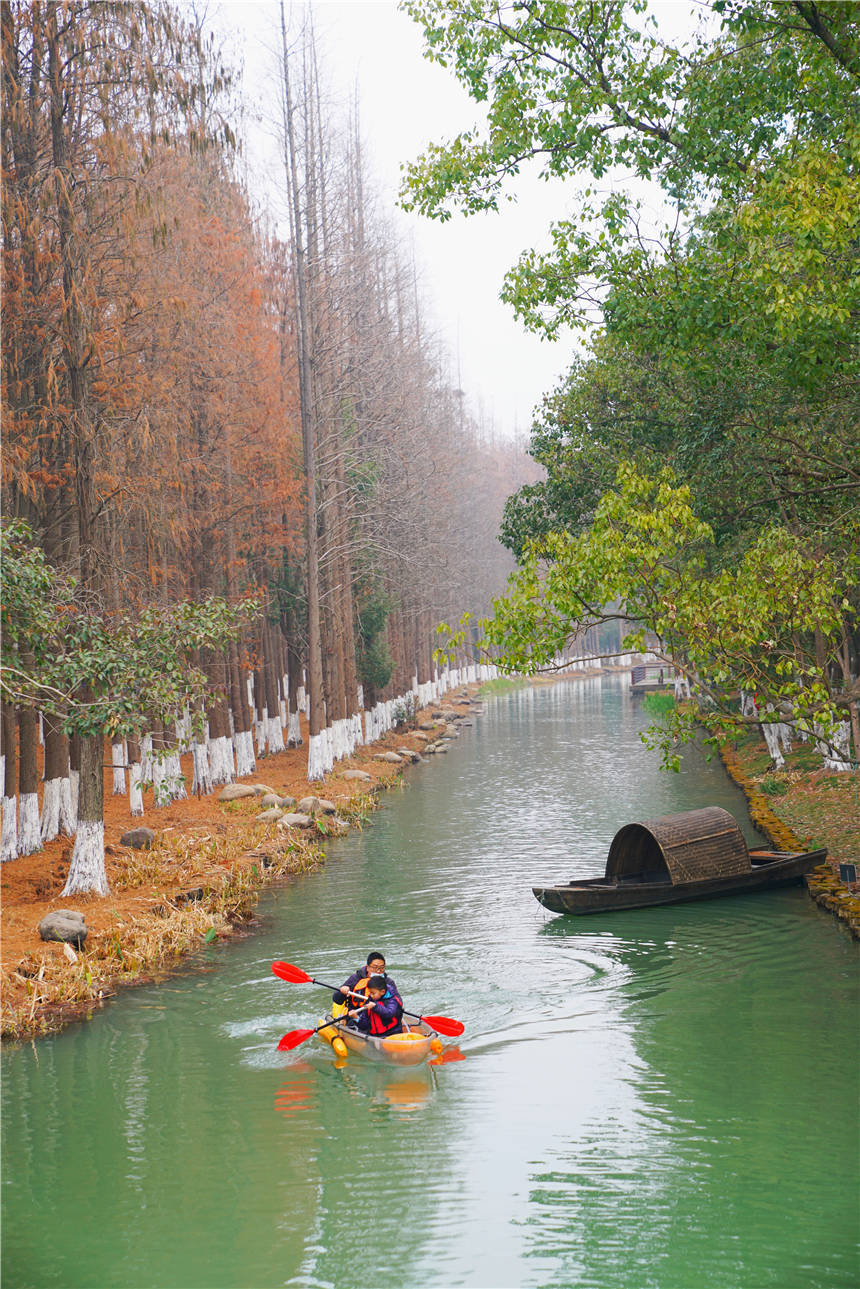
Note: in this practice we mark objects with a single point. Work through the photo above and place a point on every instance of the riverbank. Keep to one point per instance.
(199, 881)
(804, 807)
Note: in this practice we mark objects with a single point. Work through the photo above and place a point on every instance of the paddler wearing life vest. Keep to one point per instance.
(380, 1014)
(375, 966)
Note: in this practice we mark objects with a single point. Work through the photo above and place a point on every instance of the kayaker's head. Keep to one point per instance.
(376, 987)
(375, 964)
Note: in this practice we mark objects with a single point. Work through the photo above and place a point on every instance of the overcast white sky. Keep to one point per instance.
(405, 102)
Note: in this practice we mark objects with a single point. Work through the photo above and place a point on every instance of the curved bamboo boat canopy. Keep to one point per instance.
(695, 846)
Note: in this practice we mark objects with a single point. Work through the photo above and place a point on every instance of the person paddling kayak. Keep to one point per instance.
(357, 982)
(381, 1013)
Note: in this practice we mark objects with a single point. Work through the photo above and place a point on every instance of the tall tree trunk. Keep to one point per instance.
(271, 667)
(221, 765)
(29, 830)
(9, 835)
(243, 740)
(57, 814)
(316, 753)
(135, 785)
(87, 874)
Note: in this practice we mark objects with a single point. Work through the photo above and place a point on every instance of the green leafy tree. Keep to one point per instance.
(103, 675)
(758, 625)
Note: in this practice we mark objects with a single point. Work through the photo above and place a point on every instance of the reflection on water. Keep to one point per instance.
(661, 1098)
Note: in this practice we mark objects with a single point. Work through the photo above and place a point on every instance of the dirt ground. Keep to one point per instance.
(202, 844)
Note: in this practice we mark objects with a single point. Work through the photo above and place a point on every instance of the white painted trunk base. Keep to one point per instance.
(771, 738)
(9, 831)
(57, 814)
(160, 791)
(316, 757)
(202, 779)
(274, 735)
(175, 779)
(29, 828)
(840, 759)
(221, 764)
(146, 758)
(243, 746)
(135, 791)
(74, 784)
(118, 756)
(87, 868)
(294, 731)
(262, 725)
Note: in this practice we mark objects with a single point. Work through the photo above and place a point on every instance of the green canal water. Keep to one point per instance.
(666, 1098)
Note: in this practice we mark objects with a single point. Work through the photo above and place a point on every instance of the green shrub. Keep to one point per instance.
(659, 704)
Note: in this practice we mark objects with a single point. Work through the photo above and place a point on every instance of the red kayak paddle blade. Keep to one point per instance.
(295, 975)
(294, 1038)
(445, 1025)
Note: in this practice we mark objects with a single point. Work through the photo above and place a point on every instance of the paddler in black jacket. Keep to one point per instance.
(375, 966)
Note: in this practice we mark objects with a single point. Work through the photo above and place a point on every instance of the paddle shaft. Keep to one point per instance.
(300, 1036)
(353, 994)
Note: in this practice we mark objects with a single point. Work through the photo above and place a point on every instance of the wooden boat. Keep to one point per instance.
(411, 1047)
(697, 855)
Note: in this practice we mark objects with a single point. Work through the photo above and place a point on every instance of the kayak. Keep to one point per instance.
(410, 1047)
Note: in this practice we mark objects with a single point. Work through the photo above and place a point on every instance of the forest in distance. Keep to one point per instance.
(240, 481)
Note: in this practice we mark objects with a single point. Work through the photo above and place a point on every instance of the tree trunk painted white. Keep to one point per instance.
(160, 793)
(368, 726)
(183, 732)
(29, 829)
(283, 707)
(57, 816)
(771, 738)
(118, 756)
(146, 758)
(75, 785)
(748, 707)
(174, 779)
(361, 697)
(135, 791)
(316, 757)
(243, 745)
(221, 763)
(9, 831)
(838, 755)
(294, 732)
(87, 869)
(262, 727)
(275, 735)
(202, 780)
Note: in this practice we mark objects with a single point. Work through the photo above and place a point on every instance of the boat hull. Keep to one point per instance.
(768, 870)
(409, 1048)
